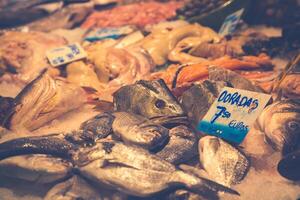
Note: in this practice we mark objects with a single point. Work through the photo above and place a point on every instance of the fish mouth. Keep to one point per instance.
(288, 167)
(170, 121)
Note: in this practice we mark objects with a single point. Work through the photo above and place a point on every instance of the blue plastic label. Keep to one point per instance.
(230, 23)
(108, 33)
(232, 114)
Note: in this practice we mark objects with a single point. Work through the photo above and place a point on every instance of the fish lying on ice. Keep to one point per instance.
(280, 123)
(151, 99)
(224, 163)
(129, 169)
(137, 130)
(182, 145)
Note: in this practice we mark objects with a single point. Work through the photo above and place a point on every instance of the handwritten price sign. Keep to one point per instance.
(232, 113)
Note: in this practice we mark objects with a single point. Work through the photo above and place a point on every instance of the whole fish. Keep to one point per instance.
(288, 167)
(181, 146)
(41, 101)
(224, 163)
(197, 100)
(288, 83)
(231, 77)
(129, 169)
(135, 171)
(35, 168)
(138, 130)
(151, 99)
(280, 123)
(77, 188)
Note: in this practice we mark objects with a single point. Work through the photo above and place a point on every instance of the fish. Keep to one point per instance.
(280, 123)
(35, 168)
(181, 147)
(224, 163)
(69, 16)
(41, 101)
(151, 99)
(233, 78)
(134, 171)
(100, 126)
(287, 84)
(198, 98)
(128, 169)
(77, 188)
(288, 166)
(137, 130)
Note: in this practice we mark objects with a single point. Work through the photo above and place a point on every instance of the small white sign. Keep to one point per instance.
(230, 23)
(65, 54)
(232, 114)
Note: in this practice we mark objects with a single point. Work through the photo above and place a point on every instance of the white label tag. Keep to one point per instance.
(232, 114)
(230, 23)
(65, 54)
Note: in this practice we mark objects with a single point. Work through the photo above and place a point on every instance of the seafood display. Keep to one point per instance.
(117, 115)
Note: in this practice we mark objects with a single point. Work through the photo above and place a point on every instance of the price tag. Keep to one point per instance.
(65, 54)
(105, 33)
(232, 114)
(230, 23)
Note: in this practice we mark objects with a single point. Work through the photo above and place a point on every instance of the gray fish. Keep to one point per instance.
(197, 100)
(135, 171)
(231, 77)
(288, 167)
(224, 163)
(151, 99)
(77, 188)
(138, 130)
(182, 145)
(280, 123)
(35, 168)
(41, 101)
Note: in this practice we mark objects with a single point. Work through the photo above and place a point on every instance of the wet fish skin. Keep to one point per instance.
(231, 77)
(54, 144)
(181, 146)
(224, 163)
(137, 130)
(288, 166)
(151, 99)
(280, 123)
(35, 168)
(100, 125)
(197, 100)
(135, 171)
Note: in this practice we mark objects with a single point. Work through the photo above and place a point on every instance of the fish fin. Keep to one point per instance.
(107, 163)
(102, 105)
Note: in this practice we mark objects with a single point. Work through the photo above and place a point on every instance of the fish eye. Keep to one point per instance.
(160, 103)
(293, 125)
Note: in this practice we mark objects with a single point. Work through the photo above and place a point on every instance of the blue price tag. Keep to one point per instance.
(232, 114)
(230, 23)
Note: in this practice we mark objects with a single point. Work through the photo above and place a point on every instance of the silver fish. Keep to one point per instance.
(35, 168)
(182, 145)
(137, 130)
(280, 123)
(135, 171)
(197, 100)
(151, 99)
(77, 188)
(231, 77)
(223, 163)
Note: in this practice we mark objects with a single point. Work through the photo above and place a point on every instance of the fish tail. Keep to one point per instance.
(51, 145)
(202, 185)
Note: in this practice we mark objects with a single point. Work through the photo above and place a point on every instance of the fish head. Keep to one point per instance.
(151, 99)
(281, 124)
(208, 146)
